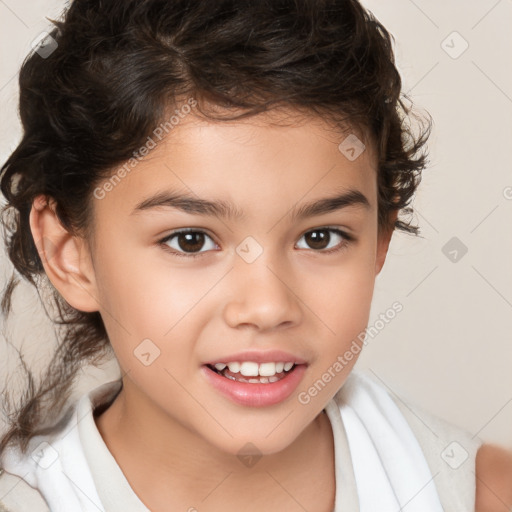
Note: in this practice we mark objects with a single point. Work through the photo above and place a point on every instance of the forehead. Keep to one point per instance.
(263, 162)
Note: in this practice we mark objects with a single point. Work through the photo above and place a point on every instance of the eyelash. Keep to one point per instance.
(341, 246)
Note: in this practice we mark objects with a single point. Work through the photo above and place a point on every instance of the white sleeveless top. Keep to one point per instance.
(388, 455)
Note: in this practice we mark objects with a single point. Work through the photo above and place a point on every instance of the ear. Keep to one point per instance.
(66, 259)
(384, 238)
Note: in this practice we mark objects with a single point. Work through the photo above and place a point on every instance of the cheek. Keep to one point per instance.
(141, 302)
(342, 303)
(144, 294)
(344, 308)
(347, 302)
(343, 293)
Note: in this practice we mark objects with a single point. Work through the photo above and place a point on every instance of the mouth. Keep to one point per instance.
(252, 384)
(252, 373)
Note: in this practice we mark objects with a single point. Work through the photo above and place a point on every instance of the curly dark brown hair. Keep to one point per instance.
(118, 66)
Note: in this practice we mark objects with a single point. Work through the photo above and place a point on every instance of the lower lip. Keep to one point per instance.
(256, 395)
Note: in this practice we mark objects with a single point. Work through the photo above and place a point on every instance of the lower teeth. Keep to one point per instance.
(255, 380)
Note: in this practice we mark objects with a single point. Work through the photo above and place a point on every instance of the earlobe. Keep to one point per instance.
(65, 258)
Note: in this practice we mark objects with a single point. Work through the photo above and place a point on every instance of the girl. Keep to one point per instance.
(209, 189)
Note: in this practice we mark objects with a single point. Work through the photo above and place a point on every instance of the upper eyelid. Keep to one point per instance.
(188, 230)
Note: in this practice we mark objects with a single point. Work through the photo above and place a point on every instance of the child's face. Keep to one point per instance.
(284, 292)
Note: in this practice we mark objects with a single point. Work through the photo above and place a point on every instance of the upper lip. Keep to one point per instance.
(259, 356)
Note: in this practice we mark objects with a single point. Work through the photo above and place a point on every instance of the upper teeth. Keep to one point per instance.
(251, 369)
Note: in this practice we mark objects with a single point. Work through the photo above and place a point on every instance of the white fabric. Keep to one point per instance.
(64, 480)
(389, 467)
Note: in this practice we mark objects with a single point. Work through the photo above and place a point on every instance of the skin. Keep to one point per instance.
(168, 424)
(494, 479)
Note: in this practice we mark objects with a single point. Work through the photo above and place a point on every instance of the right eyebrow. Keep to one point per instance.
(189, 204)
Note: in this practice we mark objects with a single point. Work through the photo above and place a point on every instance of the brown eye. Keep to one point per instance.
(321, 239)
(318, 239)
(190, 242)
(187, 242)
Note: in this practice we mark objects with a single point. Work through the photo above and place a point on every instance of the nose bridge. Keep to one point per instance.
(263, 296)
(258, 262)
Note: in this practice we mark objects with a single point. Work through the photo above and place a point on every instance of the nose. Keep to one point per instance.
(263, 295)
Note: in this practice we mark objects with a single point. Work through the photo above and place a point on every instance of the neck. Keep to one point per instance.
(152, 450)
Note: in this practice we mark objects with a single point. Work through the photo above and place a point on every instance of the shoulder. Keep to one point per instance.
(493, 479)
(29, 479)
(448, 450)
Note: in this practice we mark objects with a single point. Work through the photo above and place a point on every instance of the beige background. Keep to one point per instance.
(450, 349)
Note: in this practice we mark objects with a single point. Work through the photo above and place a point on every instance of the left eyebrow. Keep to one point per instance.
(222, 209)
(330, 204)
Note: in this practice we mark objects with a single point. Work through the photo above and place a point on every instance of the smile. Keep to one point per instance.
(263, 373)
(255, 385)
